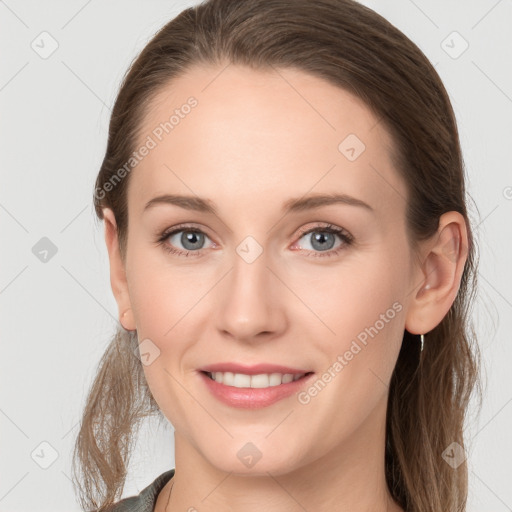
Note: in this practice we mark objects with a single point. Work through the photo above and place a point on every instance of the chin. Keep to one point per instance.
(248, 459)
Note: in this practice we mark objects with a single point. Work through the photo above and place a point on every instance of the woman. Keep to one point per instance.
(247, 135)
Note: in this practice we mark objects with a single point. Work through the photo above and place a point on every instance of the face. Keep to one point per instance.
(239, 275)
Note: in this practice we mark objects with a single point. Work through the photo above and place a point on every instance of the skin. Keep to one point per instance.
(255, 140)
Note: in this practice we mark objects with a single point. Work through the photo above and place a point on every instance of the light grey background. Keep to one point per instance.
(57, 316)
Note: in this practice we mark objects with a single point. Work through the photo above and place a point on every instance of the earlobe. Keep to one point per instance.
(441, 273)
(118, 280)
(127, 320)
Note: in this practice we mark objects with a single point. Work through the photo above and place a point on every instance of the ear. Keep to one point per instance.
(439, 275)
(117, 272)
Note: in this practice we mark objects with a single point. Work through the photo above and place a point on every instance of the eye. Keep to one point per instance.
(322, 239)
(189, 237)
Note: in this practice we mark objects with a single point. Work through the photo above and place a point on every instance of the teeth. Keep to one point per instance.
(263, 380)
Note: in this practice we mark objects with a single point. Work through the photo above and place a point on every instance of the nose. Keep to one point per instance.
(250, 307)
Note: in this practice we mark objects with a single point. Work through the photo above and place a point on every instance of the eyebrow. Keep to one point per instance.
(310, 202)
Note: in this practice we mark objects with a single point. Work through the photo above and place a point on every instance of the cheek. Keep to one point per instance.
(351, 295)
(162, 294)
(359, 309)
(368, 319)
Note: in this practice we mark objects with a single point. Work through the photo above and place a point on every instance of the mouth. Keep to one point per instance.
(253, 391)
(259, 381)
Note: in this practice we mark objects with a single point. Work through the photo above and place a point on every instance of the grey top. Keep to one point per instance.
(145, 501)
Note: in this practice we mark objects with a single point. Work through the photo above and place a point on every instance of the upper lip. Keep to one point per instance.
(254, 369)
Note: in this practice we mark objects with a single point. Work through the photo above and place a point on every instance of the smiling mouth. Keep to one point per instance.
(259, 381)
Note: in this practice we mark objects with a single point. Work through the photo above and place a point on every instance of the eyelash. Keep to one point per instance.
(329, 228)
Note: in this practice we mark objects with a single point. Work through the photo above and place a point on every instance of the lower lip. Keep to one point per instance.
(253, 398)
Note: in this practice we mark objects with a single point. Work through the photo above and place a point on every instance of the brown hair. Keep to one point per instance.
(356, 49)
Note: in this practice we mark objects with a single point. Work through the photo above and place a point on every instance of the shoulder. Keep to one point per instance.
(144, 501)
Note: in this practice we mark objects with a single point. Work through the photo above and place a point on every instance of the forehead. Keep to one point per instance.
(254, 134)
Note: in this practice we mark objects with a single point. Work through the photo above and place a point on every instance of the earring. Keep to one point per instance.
(422, 340)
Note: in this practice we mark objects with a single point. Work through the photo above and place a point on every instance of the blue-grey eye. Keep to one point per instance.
(320, 240)
(190, 240)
